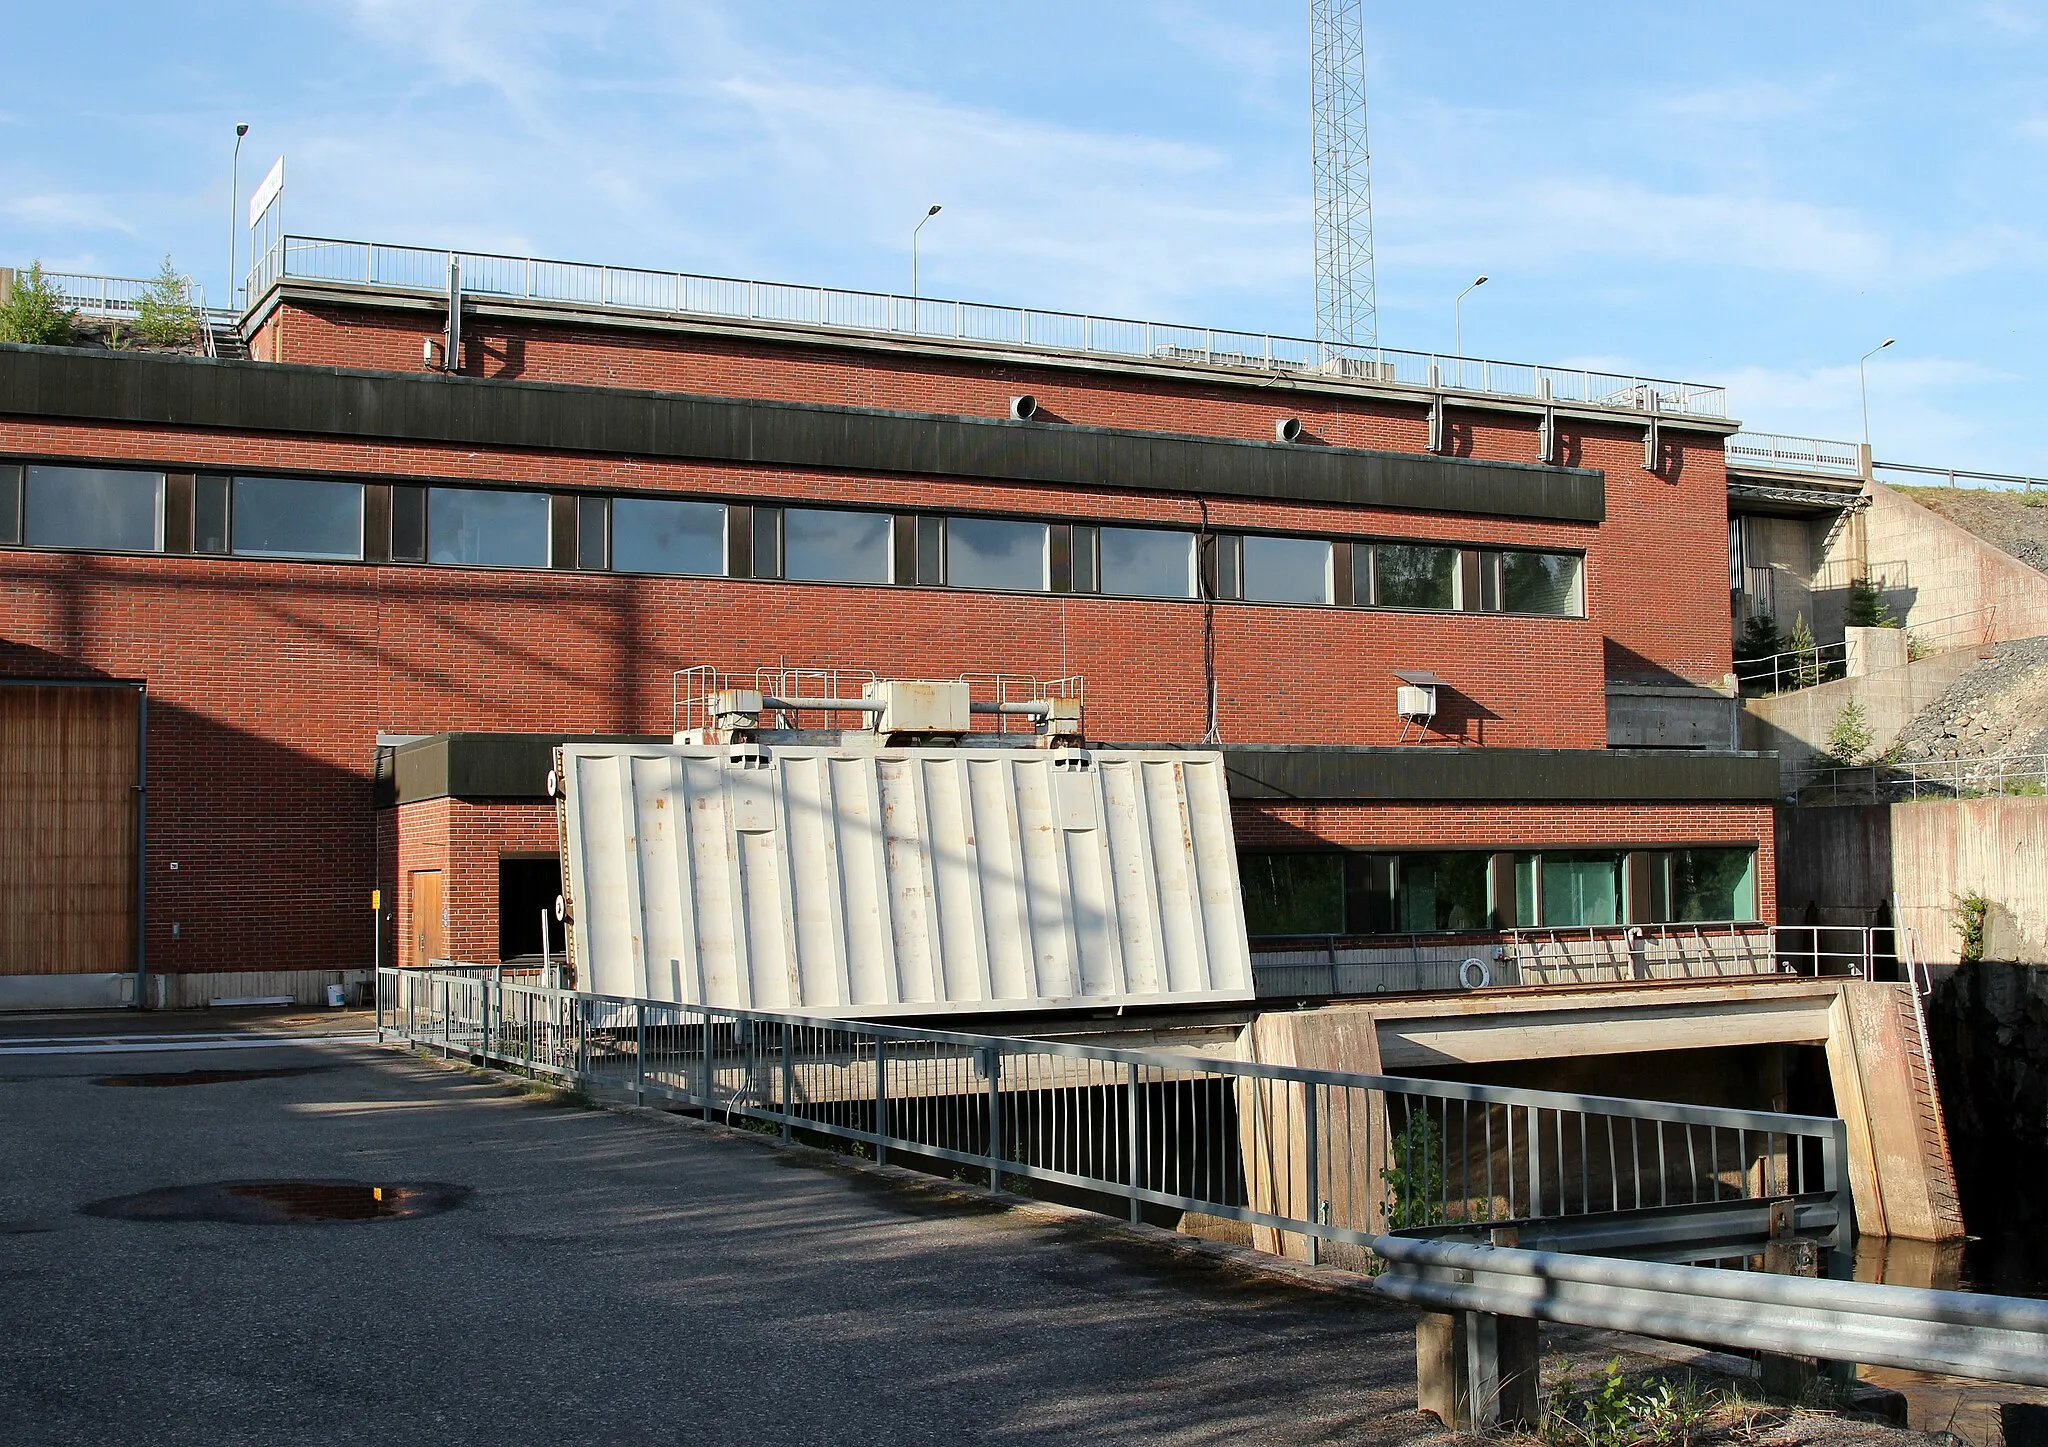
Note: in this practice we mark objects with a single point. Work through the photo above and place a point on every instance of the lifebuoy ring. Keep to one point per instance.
(1465, 974)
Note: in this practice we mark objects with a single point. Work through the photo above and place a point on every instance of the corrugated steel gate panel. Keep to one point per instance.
(910, 881)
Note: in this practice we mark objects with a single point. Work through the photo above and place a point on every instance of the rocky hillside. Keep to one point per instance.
(1998, 709)
(2016, 522)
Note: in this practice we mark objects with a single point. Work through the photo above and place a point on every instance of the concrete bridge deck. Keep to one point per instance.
(612, 1279)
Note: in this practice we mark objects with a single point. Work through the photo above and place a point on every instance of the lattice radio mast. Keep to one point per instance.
(1347, 305)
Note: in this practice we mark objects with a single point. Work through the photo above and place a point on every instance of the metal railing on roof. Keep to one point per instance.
(122, 296)
(675, 293)
(1901, 781)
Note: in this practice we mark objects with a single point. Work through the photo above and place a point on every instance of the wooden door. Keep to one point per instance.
(69, 814)
(429, 918)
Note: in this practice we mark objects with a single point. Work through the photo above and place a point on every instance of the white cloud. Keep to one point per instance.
(1920, 409)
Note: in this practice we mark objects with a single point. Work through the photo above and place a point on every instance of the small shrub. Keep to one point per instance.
(1805, 657)
(1866, 607)
(1850, 738)
(1415, 1180)
(35, 312)
(1971, 911)
(2031, 498)
(165, 315)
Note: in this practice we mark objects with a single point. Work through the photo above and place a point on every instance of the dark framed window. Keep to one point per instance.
(1407, 575)
(1438, 893)
(10, 502)
(821, 545)
(115, 510)
(1582, 888)
(1713, 884)
(1286, 570)
(1146, 563)
(1543, 583)
(290, 517)
(661, 535)
(997, 553)
(487, 528)
(1292, 894)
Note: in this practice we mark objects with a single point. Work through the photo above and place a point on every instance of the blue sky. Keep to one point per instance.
(1747, 193)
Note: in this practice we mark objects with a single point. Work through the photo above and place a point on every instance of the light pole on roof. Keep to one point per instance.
(234, 204)
(936, 208)
(1863, 386)
(1458, 315)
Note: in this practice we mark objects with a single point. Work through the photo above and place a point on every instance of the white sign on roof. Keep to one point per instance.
(267, 192)
(849, 883)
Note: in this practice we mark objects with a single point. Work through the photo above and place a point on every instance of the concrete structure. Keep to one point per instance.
(1795, 724)
(334, 551)
(1912, 862)
(1753, 1042)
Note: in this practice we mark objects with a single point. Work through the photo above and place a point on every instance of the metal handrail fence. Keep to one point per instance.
(675, 293)
(1794, 454)
(2005, 480)
(123, 295)
(1327, 1155)
(1796, 668)
(1900, 782)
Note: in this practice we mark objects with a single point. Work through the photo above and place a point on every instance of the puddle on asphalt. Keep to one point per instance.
(284, 1203)
(205, 1077)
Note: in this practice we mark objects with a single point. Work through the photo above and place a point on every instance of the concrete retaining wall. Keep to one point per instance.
(1846, 864)
(1795, 725)
(1951, 571)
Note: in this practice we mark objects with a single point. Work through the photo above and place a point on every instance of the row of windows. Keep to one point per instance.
(1371, 894)
(284, 517)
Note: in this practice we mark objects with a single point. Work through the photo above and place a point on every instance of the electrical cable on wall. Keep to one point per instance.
(1211, 734)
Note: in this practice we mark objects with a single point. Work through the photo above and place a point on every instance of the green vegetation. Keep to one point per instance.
(1971, 911)
(1415, 1179)
(165, 315)
(1866, 607)
(1663, 1413)
(34, 312)
(1850, 738)
(1805, 659)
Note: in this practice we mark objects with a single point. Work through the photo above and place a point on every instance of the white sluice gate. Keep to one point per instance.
(855, 882)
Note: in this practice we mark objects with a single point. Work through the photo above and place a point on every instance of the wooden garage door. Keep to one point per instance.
(67, 829)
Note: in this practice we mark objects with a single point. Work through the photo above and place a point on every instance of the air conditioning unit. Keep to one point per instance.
(1414, 703)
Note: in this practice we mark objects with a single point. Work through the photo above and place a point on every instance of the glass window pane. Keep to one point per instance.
(494, 529)
(1540, 583)
(835, 547)
(1416, 577)
(988, 553)
(1144, 563)
(1286, 570)
(94, 507)
(1525, 889)
(1442, 892)
(1581, 889)
(1292, 894)
(289, 517)
(1713, 884)
(656, 535)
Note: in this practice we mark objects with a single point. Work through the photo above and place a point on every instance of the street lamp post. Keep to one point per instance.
(936, 208)
(234, 204)
(1863, 386)
(1458, 315)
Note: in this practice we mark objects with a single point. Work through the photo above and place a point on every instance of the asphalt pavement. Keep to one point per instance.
(608, 1279)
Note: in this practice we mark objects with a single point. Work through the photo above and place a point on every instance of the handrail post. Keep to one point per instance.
(994, 1056)
(881, 1100)
(788, 1080)
(640, 1052)
(1132, 1154)
(1311, 1165)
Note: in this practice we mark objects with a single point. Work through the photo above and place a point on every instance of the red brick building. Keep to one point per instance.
(361, 591)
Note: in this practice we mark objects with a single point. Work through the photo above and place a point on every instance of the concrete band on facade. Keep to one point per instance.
(344, 402)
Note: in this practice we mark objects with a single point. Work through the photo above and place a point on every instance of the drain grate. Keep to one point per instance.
(284, 1203)
(206, 1077)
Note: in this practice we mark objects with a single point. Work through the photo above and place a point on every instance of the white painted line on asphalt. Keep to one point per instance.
(160, 1044)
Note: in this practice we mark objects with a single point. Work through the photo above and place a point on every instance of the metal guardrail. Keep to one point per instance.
(123, 295)
(1782, 452)
(1903, 782)
(669, 293)
(1797, 668)
(1325, 1155)
(1991, 1337)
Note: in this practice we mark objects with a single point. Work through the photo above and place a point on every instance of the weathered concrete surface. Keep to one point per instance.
(1846, 864)
(1795, 725)
(1899, 1167)
(1951, 571)
(1274, 1129)
(614, 1279)
(1656, 716)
